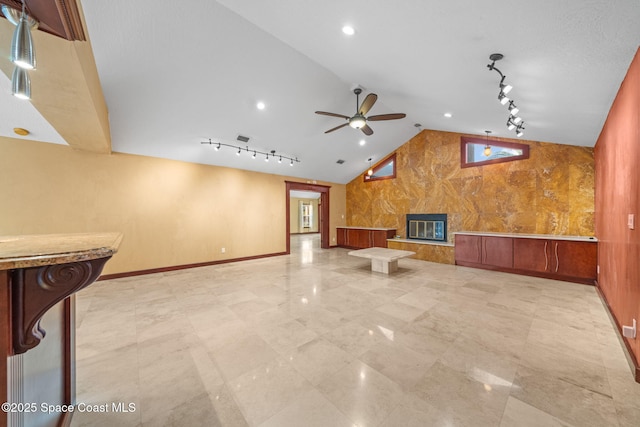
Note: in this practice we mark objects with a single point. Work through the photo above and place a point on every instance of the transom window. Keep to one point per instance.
(386, 169)
(484, 151)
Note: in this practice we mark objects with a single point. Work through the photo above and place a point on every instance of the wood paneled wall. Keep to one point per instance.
(617, 157)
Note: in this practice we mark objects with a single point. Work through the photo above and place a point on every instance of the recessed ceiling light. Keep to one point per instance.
(447, 115)
(362, 142)
(260, 105)
(348, 30)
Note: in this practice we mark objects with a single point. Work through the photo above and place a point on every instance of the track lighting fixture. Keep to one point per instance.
(520, 130)
(21, 83)
(513, 122)
(272, 153)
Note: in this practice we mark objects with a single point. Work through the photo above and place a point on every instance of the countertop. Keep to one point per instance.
(530, 236)
(49, 249)
(368, 228)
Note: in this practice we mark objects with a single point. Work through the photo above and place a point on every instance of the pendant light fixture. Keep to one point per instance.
(21, 83)
(23, 53)
(370, 171)
(487, 147)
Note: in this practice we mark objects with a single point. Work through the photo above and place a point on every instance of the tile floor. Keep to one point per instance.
(316, 339)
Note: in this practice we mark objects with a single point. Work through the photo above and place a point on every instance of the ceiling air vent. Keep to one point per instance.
(340, 162)
(243, 138)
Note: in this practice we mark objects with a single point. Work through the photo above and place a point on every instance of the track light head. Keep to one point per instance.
(254, 155)
(513, 109)
(502, 98)
(505, 88)
(510, 124)
(520, 130)
(517, 120)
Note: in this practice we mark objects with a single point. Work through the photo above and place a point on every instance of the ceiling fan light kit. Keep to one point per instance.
(514, 121)
(359, 119)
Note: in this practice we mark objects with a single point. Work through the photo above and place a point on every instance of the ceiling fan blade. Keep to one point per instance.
(336, 128)
(324, 113)
(367, 103)
(366, 130)
(386, 117)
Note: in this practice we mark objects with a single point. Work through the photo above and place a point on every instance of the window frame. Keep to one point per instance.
(381, 164)
(465, 140)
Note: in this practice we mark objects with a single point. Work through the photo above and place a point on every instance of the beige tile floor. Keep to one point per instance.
(317, 339)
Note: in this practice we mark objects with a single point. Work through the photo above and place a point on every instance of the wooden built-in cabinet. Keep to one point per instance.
(484, 250)
(361, 238)
(562, 259)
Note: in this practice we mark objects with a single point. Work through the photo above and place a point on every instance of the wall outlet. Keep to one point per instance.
(629, 331)
(223, 250)
(631, 221)
(334, 239)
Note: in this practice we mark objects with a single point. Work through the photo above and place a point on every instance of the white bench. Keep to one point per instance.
(383, 260)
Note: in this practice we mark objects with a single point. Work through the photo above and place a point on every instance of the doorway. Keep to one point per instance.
(323, 210)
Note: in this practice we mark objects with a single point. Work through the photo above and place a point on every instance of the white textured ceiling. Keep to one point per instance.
(175, 74)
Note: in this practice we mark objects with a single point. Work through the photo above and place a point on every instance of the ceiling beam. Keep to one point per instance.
(65, 88)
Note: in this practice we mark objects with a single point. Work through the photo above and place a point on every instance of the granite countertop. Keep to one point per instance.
(531, 236)
(49, 249)
(366, 228)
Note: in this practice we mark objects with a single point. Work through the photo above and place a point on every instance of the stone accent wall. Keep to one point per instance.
(552, 192)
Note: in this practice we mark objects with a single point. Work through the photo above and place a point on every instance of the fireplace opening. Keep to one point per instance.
(427, 227)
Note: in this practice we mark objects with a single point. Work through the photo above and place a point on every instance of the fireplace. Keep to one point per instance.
(427, 227)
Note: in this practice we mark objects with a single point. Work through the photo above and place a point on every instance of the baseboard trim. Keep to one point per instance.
(627, 347)
(185, 266)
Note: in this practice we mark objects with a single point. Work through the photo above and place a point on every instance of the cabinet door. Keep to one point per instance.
(380, 237)
(357, 238)
(532, 254)
(467, 248)
(341, 234)
(575, 259)
(497, 251)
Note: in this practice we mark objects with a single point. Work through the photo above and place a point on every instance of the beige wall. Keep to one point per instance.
(294, 215)
(171, 213)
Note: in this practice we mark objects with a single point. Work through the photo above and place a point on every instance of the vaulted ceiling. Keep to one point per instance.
(174, 75)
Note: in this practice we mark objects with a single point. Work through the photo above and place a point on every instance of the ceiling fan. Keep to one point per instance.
(359, 121)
